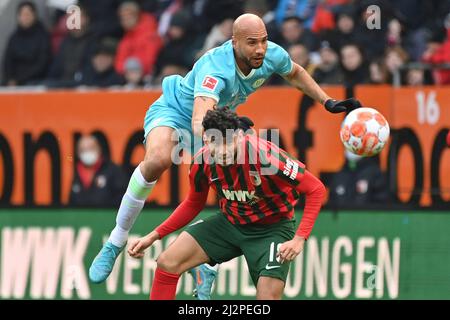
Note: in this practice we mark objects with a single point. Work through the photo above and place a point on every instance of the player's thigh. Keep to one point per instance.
(269, 288)
(183, 254)
(158, 152)
(260, 250)
(218, 238)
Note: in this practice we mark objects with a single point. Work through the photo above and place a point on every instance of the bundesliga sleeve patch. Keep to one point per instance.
(290, 169)
(210, 83)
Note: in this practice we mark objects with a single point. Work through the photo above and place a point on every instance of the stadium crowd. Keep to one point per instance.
(137, 43)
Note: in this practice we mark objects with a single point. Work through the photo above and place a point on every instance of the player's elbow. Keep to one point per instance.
(321, 190)
(318, 190)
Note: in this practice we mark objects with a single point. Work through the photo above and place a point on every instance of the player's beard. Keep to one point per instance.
(249, 63)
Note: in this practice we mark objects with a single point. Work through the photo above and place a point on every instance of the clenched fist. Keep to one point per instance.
(138, 246)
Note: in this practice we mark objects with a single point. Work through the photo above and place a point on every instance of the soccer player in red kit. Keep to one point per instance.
(258, 185)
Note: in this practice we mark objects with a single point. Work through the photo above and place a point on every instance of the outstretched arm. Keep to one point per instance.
(183, 214)
(300, 79)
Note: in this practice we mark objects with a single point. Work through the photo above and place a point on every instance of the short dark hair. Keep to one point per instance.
(221, 119)
(26, 4)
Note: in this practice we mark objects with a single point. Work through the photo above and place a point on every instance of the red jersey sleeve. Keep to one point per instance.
(191, 206)
(314, 192)
(291, 171)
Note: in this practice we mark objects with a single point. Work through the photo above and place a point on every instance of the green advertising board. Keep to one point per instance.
(45, 254)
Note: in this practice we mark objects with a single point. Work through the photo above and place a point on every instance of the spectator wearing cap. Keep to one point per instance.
(328, 71)
(293, 32)
(100, 72)
(134, 74)
(28, 51)
(141, 39)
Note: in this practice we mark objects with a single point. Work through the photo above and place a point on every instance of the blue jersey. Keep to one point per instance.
(216, 75)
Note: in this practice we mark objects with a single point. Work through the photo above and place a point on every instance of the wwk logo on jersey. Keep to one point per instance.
(239, 195)
(210, 83)
(290, 169)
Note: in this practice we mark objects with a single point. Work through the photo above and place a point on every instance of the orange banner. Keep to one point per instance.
(306, 130)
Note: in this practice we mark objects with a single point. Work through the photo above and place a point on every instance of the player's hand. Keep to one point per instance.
(290, 249)
(138, 246)
(245, 123)
(336, 106)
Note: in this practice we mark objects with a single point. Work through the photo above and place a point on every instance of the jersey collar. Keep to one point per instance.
(241, 75)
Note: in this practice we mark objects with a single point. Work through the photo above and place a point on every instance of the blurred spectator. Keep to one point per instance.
(300, 55)
(220, 33)
(378, 72)
(206, 13)
(324, 18)
(262, 9)
(354, 66)
(58, 20)
(97, 181)
(141, 39)
(73, 55)
(100, 72)
(156, 7)
(302, 9)
(104, 20)
(293, 32)
(394, 32)
(166, 16)
(439, 53)
(359, 183)
(328, 71)
(394, 59)
(28, 51)
(134, 74)
(373, 40)
(168, 70)
(181, 44)
(344, 32)
(415, 77)
(418, 19)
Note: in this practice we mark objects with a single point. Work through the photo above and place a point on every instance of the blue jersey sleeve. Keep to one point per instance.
(208, 84)
(283, 61)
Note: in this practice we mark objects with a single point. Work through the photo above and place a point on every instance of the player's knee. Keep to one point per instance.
(155, 164)
(168, 264)
(269, 295)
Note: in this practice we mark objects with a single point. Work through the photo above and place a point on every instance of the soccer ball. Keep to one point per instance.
(364, 132)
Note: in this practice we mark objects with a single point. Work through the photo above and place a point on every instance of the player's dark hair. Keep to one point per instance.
(221, 119)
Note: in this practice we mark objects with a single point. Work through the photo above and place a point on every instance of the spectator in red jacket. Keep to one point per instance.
(141, 39)
(440, 54)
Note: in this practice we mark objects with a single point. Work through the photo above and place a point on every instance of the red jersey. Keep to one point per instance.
(263, 187)
(260, 187)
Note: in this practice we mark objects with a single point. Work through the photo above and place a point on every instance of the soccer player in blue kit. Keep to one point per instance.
(224, 76)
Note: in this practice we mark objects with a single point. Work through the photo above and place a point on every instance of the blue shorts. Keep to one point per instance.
(160, 114)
